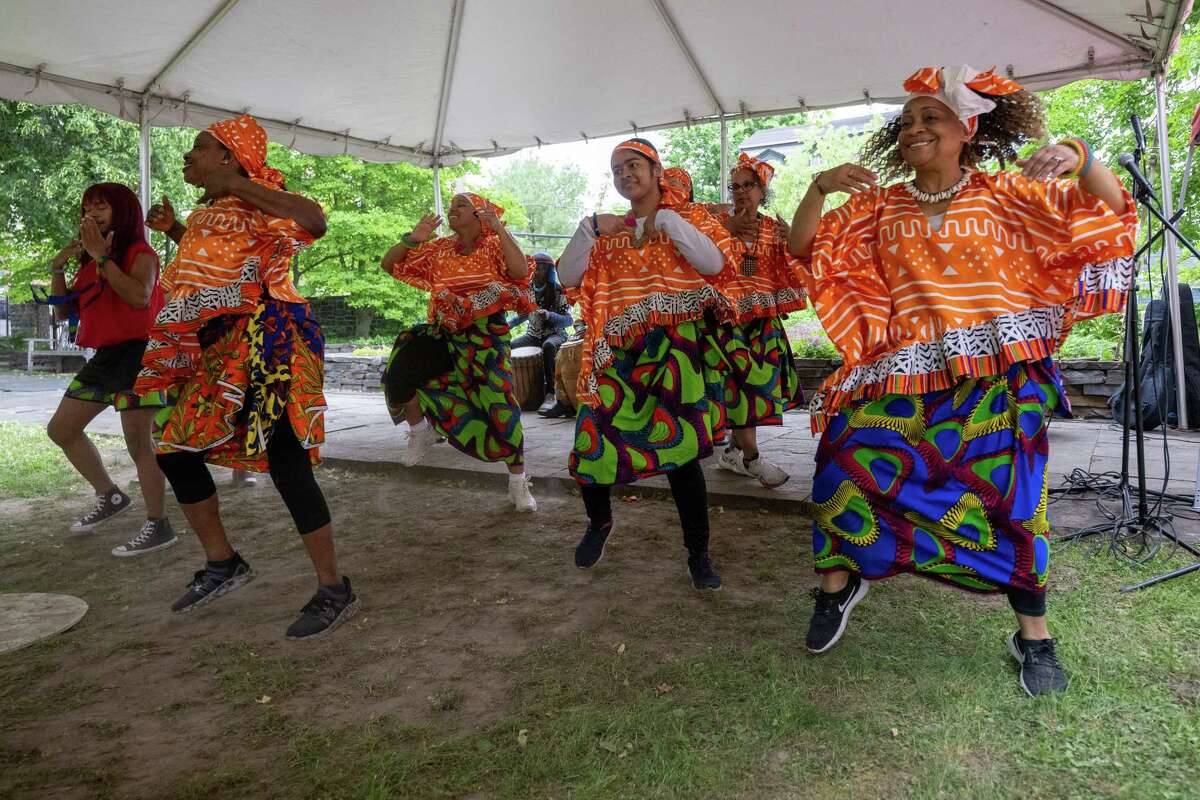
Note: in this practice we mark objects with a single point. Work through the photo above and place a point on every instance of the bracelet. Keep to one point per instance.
(817, 183)
(595, 225)
(1085, 156)
(407, 241)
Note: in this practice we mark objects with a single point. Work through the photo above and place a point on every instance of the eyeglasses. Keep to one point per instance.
(744, 186)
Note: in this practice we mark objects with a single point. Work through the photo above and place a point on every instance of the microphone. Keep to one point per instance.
(1139, 138)
(1127, 161)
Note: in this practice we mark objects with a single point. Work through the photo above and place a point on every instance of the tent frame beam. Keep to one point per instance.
(1168, 208)
(456, 15)
(189, 45)
(686, 50)
(1090, 27)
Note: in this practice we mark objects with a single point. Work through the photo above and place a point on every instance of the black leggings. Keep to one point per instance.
(691, 501)
(291, 472)
(1024, 601)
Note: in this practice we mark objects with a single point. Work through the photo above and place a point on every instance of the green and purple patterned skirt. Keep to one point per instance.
(949, 485)
(472, 404)
(657, 410)
(760, 377)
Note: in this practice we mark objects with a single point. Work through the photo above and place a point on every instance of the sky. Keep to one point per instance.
(592, 156)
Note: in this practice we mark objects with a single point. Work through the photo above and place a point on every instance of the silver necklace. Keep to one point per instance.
(936, 197)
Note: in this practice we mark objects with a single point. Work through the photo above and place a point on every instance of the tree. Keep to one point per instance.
(48, 156)
(697, 148)
(551, 197)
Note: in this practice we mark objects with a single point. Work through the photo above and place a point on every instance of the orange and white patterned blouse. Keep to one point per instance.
(230, 253)
(912, 308)
(630, 287)
(773, 286)
(464, 287)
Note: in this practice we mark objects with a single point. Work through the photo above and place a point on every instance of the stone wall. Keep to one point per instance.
(1089, 384)
(345, 372)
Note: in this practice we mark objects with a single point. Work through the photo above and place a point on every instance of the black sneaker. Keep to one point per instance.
(208, 584)
(328, 608)
(591, 547)
(156, 534)
(107, 506)
(831, 614)
(703, 574)
(1040, 671)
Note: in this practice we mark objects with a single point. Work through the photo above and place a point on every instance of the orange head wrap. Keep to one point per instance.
(483, 204)
(959, 89)
(640, 147)
(672, 195)
(246, 139)
(762, 169)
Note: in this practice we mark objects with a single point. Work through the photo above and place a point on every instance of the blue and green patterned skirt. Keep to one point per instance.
(657, 412)
(950, 485)
(760, 376)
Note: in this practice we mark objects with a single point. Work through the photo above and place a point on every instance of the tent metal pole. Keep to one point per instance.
(1168, 208)
(723, 178)
(144, 159)
(437, 189)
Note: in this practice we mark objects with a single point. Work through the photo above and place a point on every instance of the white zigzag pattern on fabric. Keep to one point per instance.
(985, 339)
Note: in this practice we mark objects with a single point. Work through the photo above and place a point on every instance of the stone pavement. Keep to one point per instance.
(361, 436)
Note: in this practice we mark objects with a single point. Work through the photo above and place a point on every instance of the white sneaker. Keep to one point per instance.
(518, 493)
(731, 459)
(768, 474)
(420, 439)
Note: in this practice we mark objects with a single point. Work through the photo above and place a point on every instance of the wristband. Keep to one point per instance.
(100, 261)
(595, 225)
(817, 183)
(1085, 156)
(407, 241)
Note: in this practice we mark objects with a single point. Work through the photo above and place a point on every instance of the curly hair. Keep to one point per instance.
(1017, 118)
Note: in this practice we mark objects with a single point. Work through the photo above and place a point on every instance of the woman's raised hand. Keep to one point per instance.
(161, 217)
(96, 245)
(1049, 162)
(610, 224)
(489, 218)
(423, 230)
(845, 178)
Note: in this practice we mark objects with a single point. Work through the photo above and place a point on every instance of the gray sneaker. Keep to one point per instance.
(156, 534)
(108, 505)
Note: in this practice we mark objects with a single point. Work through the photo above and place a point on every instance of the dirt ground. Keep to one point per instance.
(460, 599)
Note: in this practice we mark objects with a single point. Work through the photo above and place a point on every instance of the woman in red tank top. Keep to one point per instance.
(116, 294)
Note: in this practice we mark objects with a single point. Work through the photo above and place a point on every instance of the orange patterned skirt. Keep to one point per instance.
(256, 371)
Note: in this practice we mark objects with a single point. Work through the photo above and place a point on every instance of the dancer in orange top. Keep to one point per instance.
(762, 287)
(452, 376)
(947, 294)
(240, 354)
(647, 398)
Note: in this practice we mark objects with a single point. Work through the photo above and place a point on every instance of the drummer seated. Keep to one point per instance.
(548, 324)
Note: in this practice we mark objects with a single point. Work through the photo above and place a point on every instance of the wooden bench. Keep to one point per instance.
(56, 347)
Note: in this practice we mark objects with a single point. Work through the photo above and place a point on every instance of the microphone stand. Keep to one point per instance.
(1140, 523)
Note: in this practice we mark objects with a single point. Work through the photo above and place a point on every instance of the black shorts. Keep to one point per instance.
(109, 375)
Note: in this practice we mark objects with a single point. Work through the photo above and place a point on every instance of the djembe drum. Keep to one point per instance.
(529, 377)
(566, 371)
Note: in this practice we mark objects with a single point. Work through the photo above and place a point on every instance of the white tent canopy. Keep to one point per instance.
(434, 81)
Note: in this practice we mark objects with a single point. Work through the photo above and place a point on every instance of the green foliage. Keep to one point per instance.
(697, 148)
(551, 197)
(48, 156)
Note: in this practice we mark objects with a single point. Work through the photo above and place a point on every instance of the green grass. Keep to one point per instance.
(919, 701)
(31, 465)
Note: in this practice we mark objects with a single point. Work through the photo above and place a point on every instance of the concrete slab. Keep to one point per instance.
(361, 436)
